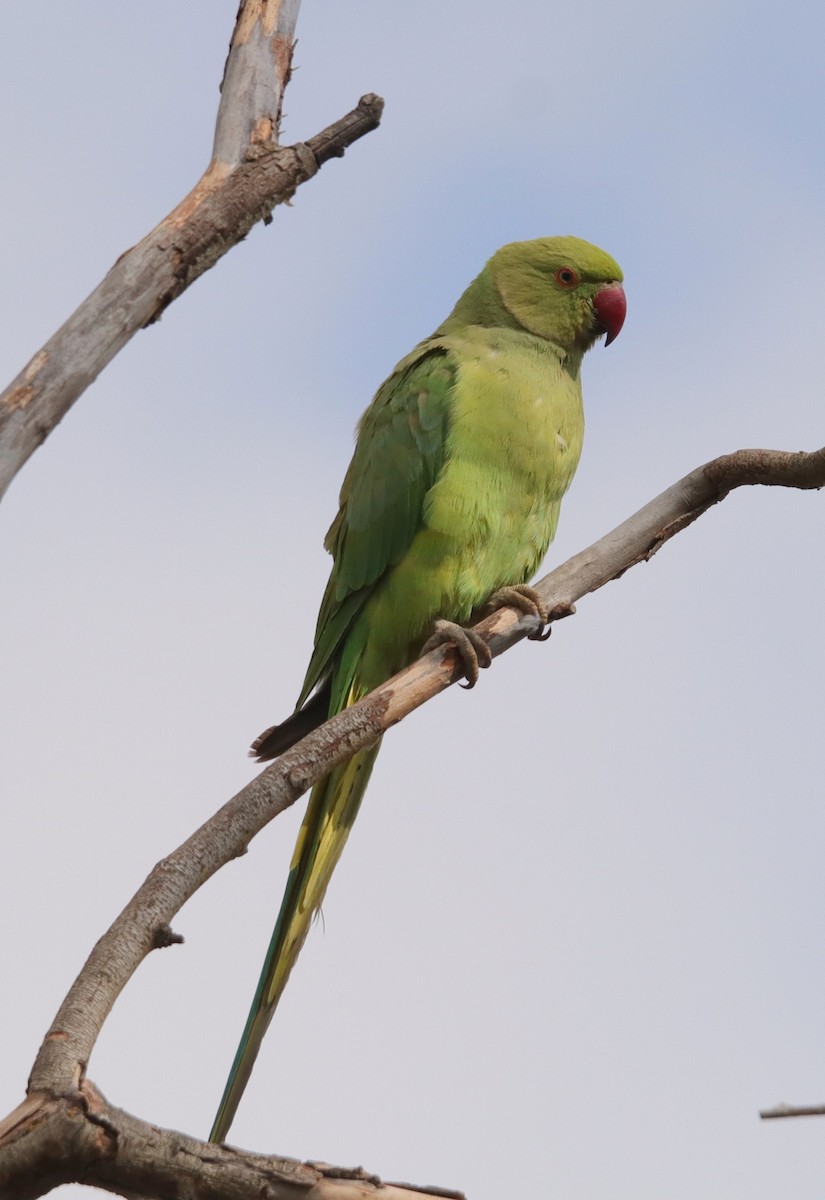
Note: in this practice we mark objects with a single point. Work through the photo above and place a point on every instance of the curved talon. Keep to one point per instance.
(470, 647)
(540, 635)
(527, 600)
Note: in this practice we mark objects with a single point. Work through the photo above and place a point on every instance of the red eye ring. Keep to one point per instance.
(566, 277)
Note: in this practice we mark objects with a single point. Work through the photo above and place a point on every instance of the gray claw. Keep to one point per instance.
(470, 646)
(527, 600)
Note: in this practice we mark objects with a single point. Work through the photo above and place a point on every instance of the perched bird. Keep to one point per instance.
(451, 499)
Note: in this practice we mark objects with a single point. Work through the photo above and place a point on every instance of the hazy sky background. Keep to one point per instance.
(577, 938)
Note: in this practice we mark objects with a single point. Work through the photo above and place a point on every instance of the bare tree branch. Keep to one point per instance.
(81, 1138)
(249, 175)
(69, 1043)
(791, 1110)
(257, 72)
(60, 1068)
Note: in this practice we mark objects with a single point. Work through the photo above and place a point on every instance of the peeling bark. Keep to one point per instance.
(257, 72)
(81, 1138)
(248, 176)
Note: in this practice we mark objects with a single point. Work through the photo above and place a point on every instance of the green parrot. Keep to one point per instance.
(450, 501)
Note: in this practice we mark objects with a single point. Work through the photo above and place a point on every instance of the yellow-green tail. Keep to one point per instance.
(332, 809)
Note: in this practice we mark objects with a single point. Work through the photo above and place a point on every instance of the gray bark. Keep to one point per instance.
(81, 1138)
(257, 72)
(249, 175)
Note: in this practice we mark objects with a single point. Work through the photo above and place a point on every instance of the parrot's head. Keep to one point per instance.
(562, 289)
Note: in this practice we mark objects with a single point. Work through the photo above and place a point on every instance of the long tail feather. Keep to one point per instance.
(332, 809)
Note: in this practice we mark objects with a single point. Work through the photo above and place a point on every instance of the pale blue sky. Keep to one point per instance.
(579, 926)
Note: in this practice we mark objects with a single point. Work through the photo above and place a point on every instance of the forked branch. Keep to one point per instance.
(248, 176)
(52, 1140)
(59, 1071)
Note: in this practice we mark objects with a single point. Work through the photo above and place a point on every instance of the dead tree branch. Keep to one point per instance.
(59, 1073)
(792, 1110)
(81, 1138)
(258, 68)
(248, 176)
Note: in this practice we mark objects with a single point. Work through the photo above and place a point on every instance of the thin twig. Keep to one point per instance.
(790, 1110)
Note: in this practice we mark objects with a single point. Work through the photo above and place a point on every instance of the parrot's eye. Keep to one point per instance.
(567, 277)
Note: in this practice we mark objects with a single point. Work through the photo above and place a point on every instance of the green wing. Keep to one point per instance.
(397, 459)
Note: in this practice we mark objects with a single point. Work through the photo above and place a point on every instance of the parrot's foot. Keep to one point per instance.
(526, 600)
(472, 648)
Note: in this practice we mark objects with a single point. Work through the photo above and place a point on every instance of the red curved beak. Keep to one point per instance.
(611, 309)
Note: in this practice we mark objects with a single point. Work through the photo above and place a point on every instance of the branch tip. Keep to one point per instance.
(790, 1110)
